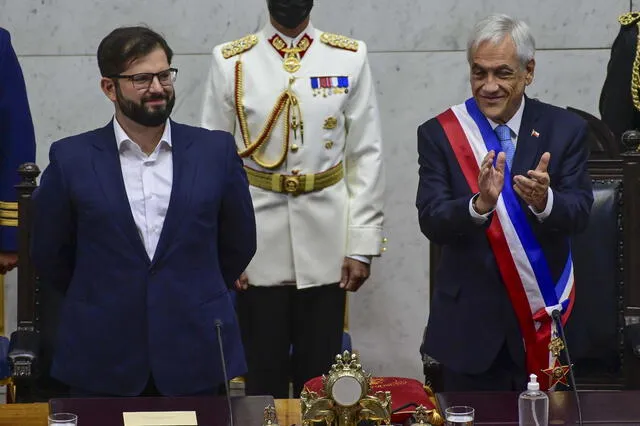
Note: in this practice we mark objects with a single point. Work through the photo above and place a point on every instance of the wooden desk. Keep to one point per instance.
(288, 411)
(24, 414)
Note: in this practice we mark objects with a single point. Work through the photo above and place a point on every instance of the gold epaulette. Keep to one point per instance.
(629, 18)
(239, 46)
(339, 41)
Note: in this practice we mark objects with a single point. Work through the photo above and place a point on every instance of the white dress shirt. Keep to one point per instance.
(147, 180)
(514, 126)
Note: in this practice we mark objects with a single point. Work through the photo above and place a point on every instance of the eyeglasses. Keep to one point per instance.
(143, 80)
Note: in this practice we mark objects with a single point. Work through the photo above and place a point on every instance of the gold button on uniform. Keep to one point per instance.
(328, 144)
(385, 240)
(294, 148)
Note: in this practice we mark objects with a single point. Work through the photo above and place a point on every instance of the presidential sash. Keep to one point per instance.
(520, 260)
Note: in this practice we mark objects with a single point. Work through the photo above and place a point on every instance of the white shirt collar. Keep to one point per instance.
(122, 137)
(516, 120)
(269, 30)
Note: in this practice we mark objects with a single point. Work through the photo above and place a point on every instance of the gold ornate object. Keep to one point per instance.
(427, 417)
(629, 18)
(270, 416)
(237, 47)
(291, 61)
(330, 123)
(556, 346)
(347, 400)
(557, 373)
(339, 41)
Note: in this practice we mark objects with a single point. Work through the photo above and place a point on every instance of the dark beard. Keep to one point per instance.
(289, 13)
(138, 113)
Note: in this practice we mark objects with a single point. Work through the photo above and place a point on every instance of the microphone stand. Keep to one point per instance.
(218, 324)
(557, 318)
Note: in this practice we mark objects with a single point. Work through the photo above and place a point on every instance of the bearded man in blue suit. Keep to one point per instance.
(144, 225)
(503, 187)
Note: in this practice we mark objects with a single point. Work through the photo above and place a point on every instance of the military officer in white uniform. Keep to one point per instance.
(302, 106)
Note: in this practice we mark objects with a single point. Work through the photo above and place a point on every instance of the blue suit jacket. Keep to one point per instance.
(125, 315)
(471, 314)
(17, 139)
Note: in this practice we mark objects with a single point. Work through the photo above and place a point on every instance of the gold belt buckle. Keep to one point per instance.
(291, 184)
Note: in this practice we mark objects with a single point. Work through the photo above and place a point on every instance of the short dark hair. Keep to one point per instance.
(124, 45)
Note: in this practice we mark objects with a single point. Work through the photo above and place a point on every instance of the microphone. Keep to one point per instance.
(218, 324)
(557, 318)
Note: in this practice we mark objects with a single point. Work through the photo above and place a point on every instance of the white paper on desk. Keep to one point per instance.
(160, 418)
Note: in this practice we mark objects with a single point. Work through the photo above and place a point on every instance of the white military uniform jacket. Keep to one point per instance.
(304, 238)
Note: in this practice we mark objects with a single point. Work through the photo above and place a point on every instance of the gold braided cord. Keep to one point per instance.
(635, 74)
(282, 105)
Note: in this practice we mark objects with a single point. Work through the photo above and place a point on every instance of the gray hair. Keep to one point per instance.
(495, 28)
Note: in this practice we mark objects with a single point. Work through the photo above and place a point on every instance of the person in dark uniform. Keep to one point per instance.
(620, 97)
(17, 146)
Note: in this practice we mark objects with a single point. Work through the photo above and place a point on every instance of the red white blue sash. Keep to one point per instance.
(519, 256)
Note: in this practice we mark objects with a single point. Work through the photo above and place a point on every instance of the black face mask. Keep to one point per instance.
(289, 13)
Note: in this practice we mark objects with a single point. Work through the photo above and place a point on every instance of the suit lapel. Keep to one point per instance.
(106, 164)
(184, 172)
(529, 145)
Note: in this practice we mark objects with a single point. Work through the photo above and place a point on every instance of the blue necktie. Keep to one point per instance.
(504, 136)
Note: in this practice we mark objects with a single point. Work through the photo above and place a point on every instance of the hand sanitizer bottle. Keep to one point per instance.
(533, 405)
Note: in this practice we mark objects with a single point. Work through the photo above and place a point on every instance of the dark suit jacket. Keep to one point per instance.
(124, 315)
(17, 139)
(471, 315)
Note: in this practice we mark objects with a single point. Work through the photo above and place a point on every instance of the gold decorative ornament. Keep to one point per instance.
(339, 41)
(291, 61)
(269, 416)
(427, 417)
(557, 373)
(291, 55)
(330, 123)
(556, 346)
(629, 18)
(328, 144)
(347, 400)
(239, 46)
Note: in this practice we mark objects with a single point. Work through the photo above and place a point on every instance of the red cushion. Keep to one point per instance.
(403, 391)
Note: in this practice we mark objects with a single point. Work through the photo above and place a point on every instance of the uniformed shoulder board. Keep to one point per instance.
(239, 46)
(339, 41)
(629, 18)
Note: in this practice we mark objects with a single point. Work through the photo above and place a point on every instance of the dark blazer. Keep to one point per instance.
(17, 138)
(471, 315)
(124, 315)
